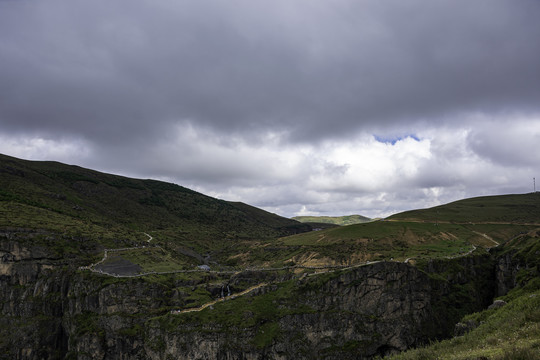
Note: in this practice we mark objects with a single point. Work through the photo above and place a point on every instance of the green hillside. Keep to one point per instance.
(110, 210)
(336, 220)
(522, 209)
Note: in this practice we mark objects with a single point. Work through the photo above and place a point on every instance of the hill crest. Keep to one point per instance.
(336, 220)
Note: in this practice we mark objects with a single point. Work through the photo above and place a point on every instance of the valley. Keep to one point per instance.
(100, 266)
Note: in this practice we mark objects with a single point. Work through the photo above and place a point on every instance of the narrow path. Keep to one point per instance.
(92, 268)
(450, 257)
(149, 237)
(462, 255)
(247, 291)
(485, 236)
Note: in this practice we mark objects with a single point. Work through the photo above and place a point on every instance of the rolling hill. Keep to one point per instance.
(110, 210)
(503, 209)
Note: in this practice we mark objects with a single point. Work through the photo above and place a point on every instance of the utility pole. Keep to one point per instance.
(534, 184)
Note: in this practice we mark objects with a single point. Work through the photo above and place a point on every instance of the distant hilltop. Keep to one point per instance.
(336, 220)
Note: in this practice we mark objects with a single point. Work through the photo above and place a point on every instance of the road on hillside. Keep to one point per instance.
(230, 297)
(329, 268)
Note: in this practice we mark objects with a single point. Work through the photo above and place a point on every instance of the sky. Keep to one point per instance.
(299, 107)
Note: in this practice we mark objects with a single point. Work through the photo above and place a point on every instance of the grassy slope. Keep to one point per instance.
(521, 209)
(110, 209)
(337, 220)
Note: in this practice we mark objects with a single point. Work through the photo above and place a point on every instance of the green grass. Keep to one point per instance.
(266, 334)
(197, 297)
(399, 239)
(134, 331)
(156, 259)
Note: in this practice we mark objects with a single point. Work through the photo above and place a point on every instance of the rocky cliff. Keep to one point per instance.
(369, 310)
(52, 311)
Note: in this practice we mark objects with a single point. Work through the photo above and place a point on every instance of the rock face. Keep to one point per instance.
(51, 311)
(383, 307)
(507, 269)
(371, 310)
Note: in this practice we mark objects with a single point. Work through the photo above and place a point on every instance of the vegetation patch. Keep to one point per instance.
(88, 322)
(266, 334)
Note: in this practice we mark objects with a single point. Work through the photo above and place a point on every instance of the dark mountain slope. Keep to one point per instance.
(74, 194)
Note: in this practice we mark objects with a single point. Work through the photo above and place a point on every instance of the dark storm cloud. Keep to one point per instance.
(296, 105)
(109, 69)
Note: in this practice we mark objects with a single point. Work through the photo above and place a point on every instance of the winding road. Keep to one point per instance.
(92, 267)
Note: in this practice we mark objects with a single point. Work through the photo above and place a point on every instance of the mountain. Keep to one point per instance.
(336, 220)
(100, 207)
(98, 266)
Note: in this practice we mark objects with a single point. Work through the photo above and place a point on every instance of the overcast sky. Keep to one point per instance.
(299, 107)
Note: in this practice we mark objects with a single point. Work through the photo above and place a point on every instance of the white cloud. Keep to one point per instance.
(70, 151)
(362, 174)
(367, 165)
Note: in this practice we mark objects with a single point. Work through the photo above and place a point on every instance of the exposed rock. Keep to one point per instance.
(497, 304)
(506, 272)
(462, 328)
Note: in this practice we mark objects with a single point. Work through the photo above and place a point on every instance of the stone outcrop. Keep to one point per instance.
(497, 304)
(462, 328)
